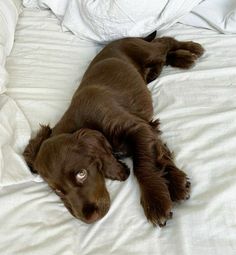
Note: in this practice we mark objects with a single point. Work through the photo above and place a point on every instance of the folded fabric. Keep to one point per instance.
(14, 135)
(9, 11)
(218, 15)
(58, 7)
(104, 20)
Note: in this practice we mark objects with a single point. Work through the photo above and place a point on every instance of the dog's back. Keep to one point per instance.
(115, 81)
(117, 78)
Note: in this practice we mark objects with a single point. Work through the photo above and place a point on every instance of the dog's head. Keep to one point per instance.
(75, 166)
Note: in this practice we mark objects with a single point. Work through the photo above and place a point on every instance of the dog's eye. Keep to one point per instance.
(81, 176)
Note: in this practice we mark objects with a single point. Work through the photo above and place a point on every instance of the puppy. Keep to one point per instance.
(111, 114)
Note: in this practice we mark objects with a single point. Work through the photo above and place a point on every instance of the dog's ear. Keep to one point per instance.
(114, 169)
(150, 37)
(33, 147)
(101, 150)
(111, 167)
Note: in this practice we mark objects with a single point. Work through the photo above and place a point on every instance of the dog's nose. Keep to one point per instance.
(90, 212)
(92, 218)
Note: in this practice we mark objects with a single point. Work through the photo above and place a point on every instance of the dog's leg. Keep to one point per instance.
(171, 52)
(155, 197)
(177, 180)
(172, 44)
(181, 54)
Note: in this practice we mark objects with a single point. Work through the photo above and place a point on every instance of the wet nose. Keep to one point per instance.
(92, 218)
(90, 212)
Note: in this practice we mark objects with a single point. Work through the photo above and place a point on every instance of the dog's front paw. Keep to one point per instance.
(178, 184)
(157, 207)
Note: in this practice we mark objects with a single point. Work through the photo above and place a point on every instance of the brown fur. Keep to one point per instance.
(111, 115)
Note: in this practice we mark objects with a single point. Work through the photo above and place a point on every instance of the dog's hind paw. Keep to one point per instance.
(181, 58)
(195, 48)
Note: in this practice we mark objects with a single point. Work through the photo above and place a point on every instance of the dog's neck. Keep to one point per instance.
(60, 128)
(65, 125)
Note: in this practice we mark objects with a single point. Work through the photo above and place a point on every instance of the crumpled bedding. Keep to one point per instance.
(197, 109)
(14, 135)
(9, 11)
(103, 20)
(219, 15)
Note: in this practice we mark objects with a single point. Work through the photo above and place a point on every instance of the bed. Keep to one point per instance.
(197, 110)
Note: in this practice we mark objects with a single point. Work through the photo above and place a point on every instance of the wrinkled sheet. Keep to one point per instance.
(14, 135)
(197, 109)
(217, 15)
(9, 11)
(106, 20)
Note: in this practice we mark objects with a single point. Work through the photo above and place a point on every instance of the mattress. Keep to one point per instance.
(197, 109)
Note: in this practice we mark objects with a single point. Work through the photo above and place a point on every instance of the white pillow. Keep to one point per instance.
(9, 11)
(105, 20)
(58, 7)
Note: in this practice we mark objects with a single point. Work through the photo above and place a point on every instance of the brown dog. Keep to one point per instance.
(111, 114)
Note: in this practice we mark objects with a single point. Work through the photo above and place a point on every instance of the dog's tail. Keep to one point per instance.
(150, 37)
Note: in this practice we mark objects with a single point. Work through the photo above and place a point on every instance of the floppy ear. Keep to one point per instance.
(33, 147)
(114, 169)
(111, 167)
(150, 37)
(99, 147)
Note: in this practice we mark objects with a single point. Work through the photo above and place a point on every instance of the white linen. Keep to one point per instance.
(219, 15)
(14, 136)
(198, 120)
(47, 68)
(9, 10)
(102, 20)
(58, 7)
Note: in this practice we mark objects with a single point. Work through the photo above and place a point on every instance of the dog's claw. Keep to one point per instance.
(162, 224)
(187, 197)
(188, 184)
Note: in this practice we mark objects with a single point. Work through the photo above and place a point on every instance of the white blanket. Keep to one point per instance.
(197, 111)
(219, 15)
(105, 20)
(9, 10)
(14, 135)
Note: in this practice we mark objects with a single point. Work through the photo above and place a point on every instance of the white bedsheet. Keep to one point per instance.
(197, 109)
(14, 135)
(103, 20)
(218, 15)
(9, 11)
